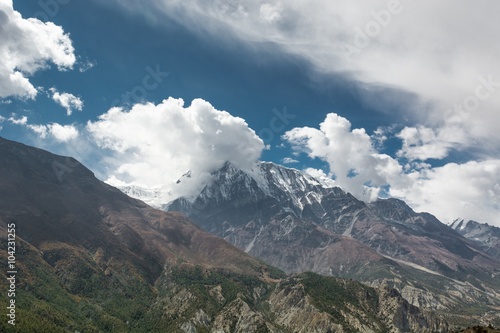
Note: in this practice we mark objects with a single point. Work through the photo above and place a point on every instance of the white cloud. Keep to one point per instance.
(422, 143)
(154, 145)
(68, 101)
(61, 133)
(21, 121)
(26, 46)
(41, 130)
(289, 160)
(321, 176)
(381, 135)
(470, 190)
(437, 51)
(316, 173)
(354, 163)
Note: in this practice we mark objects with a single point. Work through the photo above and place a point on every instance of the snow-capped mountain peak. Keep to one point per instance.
(153, 197)
(265, 179)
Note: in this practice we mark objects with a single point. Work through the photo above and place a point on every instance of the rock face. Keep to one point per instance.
(406, 317)
(300, 303)
(91, 259)
(298, 223)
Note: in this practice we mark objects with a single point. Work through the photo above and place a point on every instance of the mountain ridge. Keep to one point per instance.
(484, 235)
(297, 225)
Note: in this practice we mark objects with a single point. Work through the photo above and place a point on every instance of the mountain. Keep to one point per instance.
(152, 197)
(298, 223)
(87, 258)
(485, 236)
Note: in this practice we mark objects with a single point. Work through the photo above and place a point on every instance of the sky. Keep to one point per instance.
(393, 98)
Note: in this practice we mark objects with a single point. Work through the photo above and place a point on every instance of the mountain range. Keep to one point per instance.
(298, 223)
(91, 259)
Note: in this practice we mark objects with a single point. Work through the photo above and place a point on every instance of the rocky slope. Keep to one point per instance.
(91, 259)
(299, 223)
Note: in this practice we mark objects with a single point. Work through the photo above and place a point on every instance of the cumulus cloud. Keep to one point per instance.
(354, 163)
(470, 190)
(68, 101)
(26, 46)
(154, 145)
(61, 133)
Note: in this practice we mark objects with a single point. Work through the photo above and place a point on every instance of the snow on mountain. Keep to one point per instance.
(263, 179)
(459, 224)
(153, 197)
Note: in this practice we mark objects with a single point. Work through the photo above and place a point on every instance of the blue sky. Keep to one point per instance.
(408, 100)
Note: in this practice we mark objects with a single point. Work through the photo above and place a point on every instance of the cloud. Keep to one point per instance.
(153, 145)
(442, 74)
(61, 133)
(289, 160)
(422, 143)
(27, 46)
(68, 101)
(320, 175)
(271, 13)
(85, 65)
(354, 163)
(401, 46)
(470, 190)
(21, 121)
